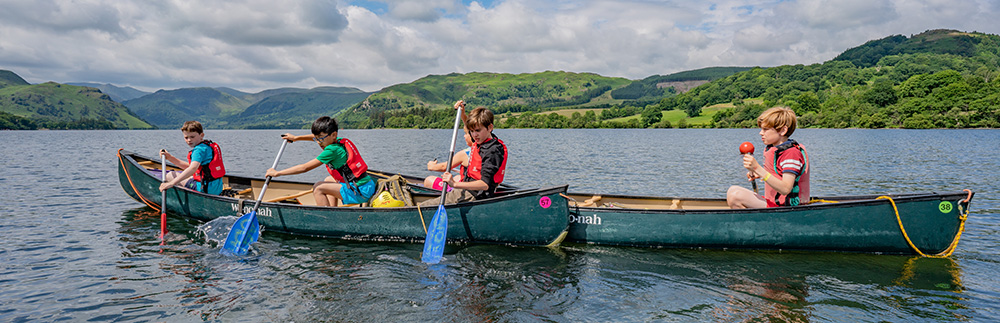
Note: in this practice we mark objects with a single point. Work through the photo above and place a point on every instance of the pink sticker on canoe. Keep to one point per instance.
(545, 202)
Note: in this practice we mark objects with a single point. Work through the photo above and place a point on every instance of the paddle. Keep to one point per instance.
(246, 229)
(747, 149)
(163, 197)
(438, 230)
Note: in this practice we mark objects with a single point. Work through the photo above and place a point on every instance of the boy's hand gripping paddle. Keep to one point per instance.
(246, 229)
(438, 230)
(746, 148)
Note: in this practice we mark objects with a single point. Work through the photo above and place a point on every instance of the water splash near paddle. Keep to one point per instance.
(215, 231)
(246, 230)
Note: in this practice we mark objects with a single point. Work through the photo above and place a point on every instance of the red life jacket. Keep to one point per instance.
(476, 164)
(354, 169)
(792, 199)
(213, 170)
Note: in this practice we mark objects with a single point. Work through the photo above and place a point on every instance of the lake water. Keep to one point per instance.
(74, 247)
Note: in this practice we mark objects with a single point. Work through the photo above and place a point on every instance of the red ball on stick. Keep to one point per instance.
(746, 148)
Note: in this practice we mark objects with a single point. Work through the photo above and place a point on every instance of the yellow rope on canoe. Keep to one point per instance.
(422, 218)
(943, 254)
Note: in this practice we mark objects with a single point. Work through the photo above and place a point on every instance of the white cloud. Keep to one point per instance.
(258, 44)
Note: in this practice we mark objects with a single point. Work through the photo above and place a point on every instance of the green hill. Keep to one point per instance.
(500, 91)
(295, 109)
(937, 79)
(657, 87)
(117, 93)
(171, 108)
(60, 106)
(8, 78)
(938, 41)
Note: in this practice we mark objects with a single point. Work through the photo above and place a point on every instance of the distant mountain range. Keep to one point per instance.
(117, 93)
(877, 79)
(228, 108)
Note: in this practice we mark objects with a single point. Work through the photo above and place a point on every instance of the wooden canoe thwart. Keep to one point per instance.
(529, 217)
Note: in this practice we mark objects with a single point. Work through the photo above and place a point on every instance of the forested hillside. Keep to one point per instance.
(171, 108)
(295, 109)
(920, 82)
(655, 87)
(60, 106)
(937, 79)
(415, 104)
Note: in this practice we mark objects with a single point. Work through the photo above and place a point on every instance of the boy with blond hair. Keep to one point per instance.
(487, 160)
(786, 165)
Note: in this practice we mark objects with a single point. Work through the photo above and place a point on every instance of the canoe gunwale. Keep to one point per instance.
(855, 200)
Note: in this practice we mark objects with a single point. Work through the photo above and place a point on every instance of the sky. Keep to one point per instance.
(253, 45)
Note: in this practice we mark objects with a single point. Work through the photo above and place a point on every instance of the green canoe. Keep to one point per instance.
(925, 224)
(530, 217)
(932, 222)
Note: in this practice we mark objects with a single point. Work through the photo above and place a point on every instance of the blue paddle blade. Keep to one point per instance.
(436, 233)
(244, 232)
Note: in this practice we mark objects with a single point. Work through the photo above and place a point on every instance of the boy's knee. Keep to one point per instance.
(734, 190)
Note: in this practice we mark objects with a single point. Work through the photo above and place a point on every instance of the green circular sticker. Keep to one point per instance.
(945, 207)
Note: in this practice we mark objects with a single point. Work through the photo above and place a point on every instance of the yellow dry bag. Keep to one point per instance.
(385, 200)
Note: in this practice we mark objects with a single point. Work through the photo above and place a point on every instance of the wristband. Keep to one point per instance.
(767, 177)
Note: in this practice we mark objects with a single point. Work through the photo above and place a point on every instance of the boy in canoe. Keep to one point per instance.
(487, 161)
(348, 180)
(203, 170)
(786, 165)
(461, 158)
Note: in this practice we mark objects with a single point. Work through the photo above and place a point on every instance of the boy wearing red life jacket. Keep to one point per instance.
(786, 165)
(203, 170)
(487, 161)
(348, 180)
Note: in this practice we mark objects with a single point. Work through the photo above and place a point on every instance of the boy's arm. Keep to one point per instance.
(174, 160)
(477, 185)
(297, 169)
(783, 184)
(294, 138)
(188, 172)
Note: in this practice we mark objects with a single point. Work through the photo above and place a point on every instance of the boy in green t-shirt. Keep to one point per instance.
(348, 180)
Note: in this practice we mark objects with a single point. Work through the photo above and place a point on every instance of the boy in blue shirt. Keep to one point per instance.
(203, 170)
(348, 180)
